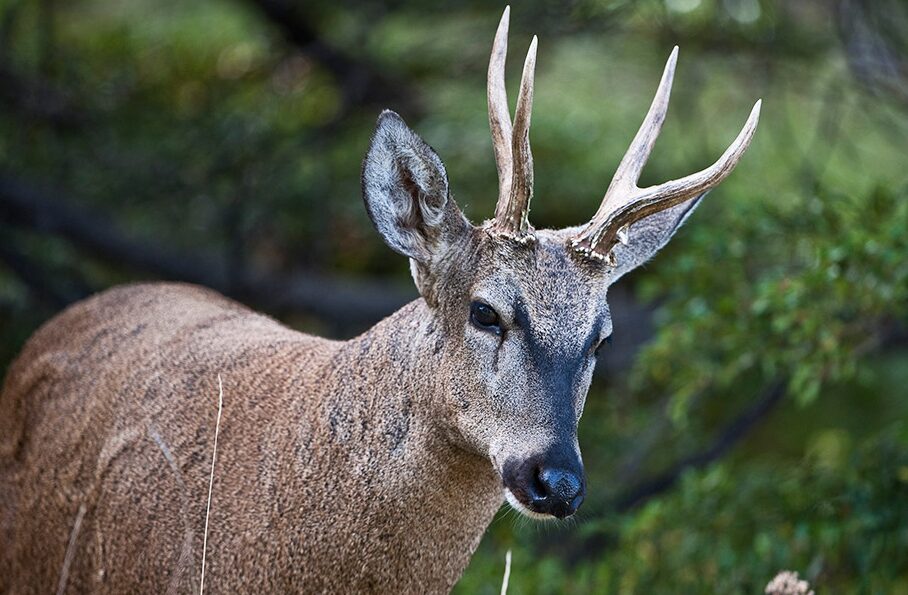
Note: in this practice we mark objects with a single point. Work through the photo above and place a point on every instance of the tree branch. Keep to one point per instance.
(723, 442)
(360, 81)
(44, 284)
(348, 304)
(39, 99)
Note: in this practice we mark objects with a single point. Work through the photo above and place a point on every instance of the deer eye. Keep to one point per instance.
(602, 343)
(483, 316)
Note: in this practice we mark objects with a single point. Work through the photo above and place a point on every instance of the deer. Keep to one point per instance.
(373, 464)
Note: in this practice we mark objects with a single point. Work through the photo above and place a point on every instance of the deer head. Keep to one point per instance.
(523, 312)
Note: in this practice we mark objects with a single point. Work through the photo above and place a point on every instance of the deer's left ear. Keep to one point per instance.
(405, 187)
(647, 236)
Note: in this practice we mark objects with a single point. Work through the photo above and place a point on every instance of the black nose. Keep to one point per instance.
(559, 492)
(550, 483)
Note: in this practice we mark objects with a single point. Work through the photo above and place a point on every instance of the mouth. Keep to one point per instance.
(523, 509)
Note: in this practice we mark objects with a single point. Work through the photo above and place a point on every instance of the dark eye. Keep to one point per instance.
(485, 317)
(602, 343)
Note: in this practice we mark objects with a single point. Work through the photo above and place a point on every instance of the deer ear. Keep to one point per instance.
(649, 235)
(405, 188)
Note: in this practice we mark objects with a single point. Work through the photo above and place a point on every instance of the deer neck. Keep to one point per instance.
(396, 384)
(384, 418)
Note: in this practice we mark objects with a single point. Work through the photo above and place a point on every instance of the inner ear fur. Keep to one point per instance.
(407, 196)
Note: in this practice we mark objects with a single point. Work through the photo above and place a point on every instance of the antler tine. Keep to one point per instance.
(641, 147)
(511, 216)
(628, 173)
(624, 203)
(674, 192)
(499, 116)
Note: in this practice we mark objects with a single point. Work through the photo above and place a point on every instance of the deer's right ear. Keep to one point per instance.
(406, 192)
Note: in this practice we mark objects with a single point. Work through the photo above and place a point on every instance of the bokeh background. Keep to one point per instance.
(751, 413)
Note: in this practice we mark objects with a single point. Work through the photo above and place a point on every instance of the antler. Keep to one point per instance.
(624, 203)
(513, 156)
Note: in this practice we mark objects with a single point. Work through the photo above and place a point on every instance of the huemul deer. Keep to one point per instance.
(373, 464)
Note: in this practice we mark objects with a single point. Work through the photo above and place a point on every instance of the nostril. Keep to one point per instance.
(538, 488)
(560, 484)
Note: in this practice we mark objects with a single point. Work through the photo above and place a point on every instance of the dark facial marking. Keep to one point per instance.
(558, 370)
(399, 427)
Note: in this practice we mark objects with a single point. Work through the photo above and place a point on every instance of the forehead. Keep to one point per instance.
(544, 283)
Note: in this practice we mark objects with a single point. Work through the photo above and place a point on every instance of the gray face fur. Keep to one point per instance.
(514, 396)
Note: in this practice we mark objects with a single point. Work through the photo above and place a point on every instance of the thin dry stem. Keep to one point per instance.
(507, 573)
(70, 550)
(214, 454)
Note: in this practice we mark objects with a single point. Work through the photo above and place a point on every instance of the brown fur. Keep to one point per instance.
(320, 484)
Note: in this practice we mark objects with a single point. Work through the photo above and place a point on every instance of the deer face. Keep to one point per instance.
(533, 319)
(522, 313)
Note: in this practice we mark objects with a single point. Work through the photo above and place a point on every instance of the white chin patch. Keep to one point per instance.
(516, 505)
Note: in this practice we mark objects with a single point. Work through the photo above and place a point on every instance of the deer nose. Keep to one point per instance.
(550, 483)
(559, 492)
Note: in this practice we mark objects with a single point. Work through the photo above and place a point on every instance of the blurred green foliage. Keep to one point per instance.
(838, 517)
(201, 126)
(812, 288)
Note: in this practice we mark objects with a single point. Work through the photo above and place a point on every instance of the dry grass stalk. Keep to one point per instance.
(214, 454)
(507, 573)
(70, 551)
